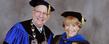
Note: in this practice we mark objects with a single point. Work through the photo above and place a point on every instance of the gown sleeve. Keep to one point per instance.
(15, 35)
(50, 38)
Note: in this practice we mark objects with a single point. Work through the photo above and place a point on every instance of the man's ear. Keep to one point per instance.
(32, 8)
(48, 16)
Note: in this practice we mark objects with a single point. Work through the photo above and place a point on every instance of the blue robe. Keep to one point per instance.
(61, 39)
(18, 34)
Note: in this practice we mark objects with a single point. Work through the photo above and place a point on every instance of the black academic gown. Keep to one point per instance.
(21, 33)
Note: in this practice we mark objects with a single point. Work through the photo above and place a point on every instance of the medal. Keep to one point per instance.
(34, 41)
(44, 42)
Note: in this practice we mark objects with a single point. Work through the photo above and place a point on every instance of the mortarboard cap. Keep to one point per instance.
(72, 13)
(35, 3)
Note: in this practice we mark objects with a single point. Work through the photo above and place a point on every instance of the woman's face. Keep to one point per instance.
(71, 26)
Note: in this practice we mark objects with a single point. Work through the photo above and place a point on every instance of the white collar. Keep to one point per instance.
(39, 29)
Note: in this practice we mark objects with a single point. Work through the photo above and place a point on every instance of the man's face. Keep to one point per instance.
(71, 26)
(40, 15)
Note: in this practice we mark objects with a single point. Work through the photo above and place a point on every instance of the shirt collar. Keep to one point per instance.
(40, 29)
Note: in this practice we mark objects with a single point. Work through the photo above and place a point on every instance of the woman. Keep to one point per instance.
(72, 24)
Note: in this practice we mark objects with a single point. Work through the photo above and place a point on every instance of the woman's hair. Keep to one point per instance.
(71, 20)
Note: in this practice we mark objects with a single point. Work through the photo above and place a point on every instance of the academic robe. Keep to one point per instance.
(21, 33)
(61, 39)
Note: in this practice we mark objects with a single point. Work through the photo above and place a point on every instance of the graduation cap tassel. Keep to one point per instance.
(83, 21)
(49, 8)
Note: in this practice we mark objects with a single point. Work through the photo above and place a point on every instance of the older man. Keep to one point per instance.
(32, 31)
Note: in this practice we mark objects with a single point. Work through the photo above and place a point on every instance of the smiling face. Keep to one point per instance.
(71, 26)
(39, 15)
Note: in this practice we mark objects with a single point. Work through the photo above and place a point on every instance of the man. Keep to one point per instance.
(72, 24)
(32, 31)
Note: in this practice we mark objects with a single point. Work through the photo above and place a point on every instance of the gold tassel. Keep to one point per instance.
(49, 8)
(83, 21)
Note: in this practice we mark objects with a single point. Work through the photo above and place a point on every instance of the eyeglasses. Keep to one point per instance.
(44, 13)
